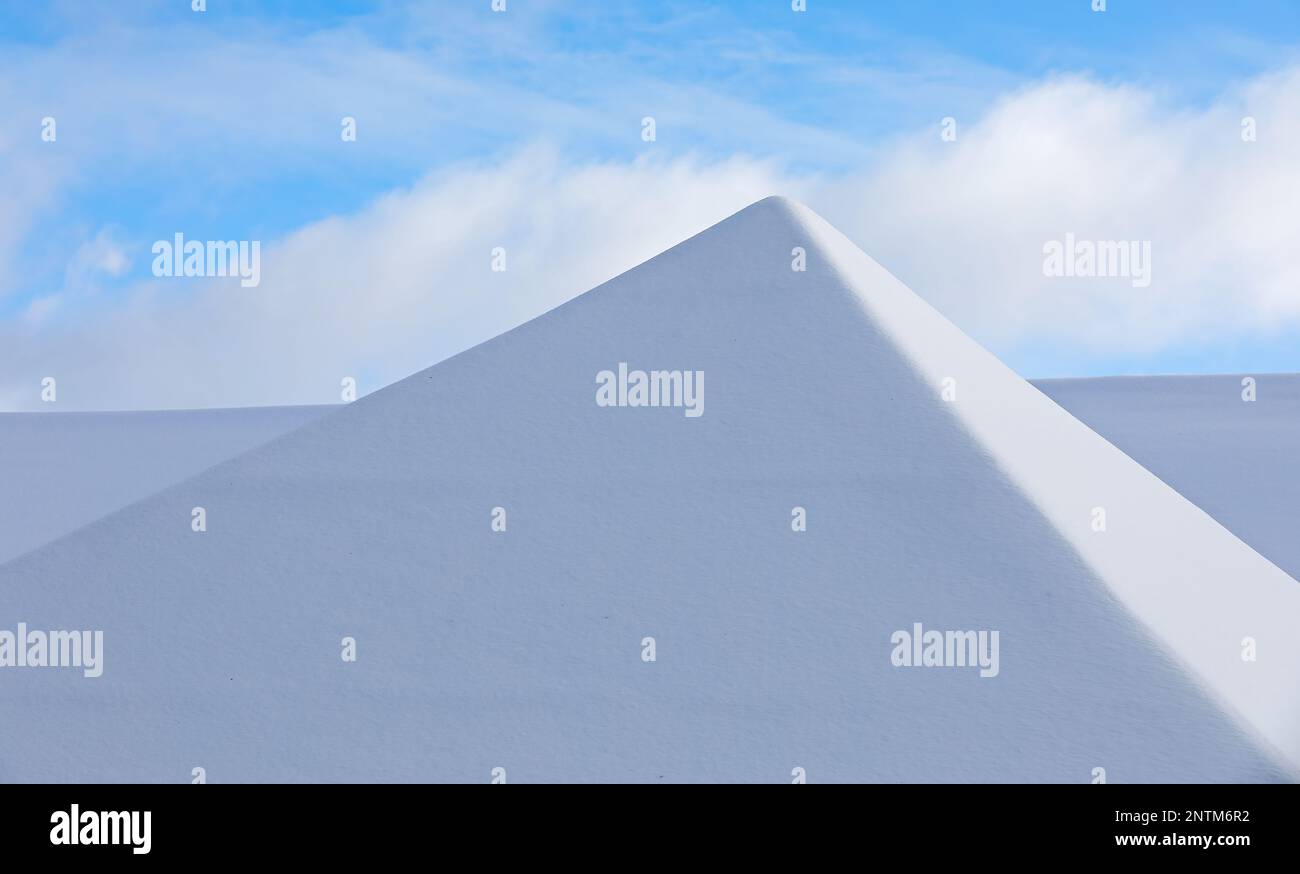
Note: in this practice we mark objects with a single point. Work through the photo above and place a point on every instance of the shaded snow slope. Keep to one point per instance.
(523, 649)
(63, 470)
(1238, 461)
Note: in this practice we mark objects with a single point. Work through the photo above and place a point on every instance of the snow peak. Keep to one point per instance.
(90, 827)
(658, 388)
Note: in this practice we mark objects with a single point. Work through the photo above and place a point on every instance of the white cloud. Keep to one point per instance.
(964, 223)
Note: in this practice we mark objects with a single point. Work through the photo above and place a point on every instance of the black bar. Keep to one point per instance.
(213, 822)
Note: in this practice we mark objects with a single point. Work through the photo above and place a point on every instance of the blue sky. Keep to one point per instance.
(225, 125)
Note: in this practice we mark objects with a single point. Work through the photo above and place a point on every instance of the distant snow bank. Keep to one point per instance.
(61, 471)
(1237, 460)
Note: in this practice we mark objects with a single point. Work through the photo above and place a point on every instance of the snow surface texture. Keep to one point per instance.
(64, 470)
(523, 649)
(1241, 464)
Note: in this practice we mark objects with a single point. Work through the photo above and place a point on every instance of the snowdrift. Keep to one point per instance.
(562, 589)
